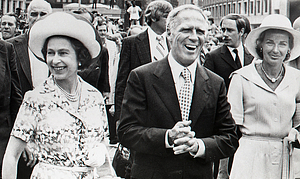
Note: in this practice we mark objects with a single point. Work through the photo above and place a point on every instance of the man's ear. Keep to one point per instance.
(153, 19)
(242, 31)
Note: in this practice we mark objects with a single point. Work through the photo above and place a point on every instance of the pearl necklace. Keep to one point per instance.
(273, 80)
(71, 97)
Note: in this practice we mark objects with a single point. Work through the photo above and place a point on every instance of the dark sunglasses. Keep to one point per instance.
(35, 14)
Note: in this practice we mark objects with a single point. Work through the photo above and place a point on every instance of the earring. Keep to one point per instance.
(260, 49)
(288, 55)
(79, 64)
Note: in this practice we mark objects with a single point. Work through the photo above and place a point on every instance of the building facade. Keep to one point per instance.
(254, 10)
(11, 5)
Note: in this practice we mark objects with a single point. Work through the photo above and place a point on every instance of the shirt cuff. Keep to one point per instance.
(168, 146)
(201, 149)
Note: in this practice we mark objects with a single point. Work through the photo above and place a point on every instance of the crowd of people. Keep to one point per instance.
(186, 97)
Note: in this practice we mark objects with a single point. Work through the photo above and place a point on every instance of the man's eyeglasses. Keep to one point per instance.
(35, 14)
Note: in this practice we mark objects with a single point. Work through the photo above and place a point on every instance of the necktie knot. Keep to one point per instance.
(186, 74)
(235, 51)
(159, 38)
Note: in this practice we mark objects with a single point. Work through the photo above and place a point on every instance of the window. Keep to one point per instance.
(258, 7)
(239, 8)
(276, 11)
(233, 8)
(251, 7)
(228, 9)
(266, 5)
(245, 8)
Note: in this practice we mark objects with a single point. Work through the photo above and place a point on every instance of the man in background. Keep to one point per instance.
(232, 55)
(9, 24)
(148, 46)
(31, 71)
(113, 48)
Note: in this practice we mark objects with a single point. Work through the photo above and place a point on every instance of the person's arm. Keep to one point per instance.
(224, 141)
(16, 93)
(12, 154)
(132, 131)
(124, 69)
(103, 81)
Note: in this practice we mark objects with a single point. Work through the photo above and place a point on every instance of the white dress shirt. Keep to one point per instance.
(153, 42)
(176, 70)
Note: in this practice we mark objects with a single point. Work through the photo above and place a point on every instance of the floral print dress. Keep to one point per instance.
(60, 135)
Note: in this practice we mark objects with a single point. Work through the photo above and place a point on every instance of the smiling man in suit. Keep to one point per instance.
(175, 115)
(142, 48)
(232, 55)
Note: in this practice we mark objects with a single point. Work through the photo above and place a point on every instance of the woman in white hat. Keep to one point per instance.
(64, 119)
(263, 98)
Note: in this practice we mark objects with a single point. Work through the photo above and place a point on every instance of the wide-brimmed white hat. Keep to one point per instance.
(62, 23)
(274, 21)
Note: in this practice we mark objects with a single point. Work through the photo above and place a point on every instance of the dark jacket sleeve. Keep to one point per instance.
(16, 93)
(224, 142)
(123, 73)
(133, 131)
(103, 83)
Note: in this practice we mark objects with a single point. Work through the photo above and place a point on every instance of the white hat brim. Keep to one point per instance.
(251, 43)
(65, 24)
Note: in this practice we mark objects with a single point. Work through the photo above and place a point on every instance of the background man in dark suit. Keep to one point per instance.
(141, 49)
(222, 60)
(31, 71)
(26, 61)
(10, 94)
(169, 140)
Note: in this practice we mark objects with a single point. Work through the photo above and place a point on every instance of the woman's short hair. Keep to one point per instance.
(157, 9)
(82, 53)
(261, 38)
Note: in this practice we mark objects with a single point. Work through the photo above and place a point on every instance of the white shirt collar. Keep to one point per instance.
(240, 49)
(153, 42)
(177, 68)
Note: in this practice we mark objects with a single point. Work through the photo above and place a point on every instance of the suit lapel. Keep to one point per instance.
(165, 88)
(227, 57)
(143, 47)
(22, 55)
(200, 95)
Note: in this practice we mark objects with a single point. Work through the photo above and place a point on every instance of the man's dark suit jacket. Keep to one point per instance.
(134, 53)
(96, 73)
(21, 47)
(151, 106)
(10, 93)
(222, 63)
